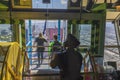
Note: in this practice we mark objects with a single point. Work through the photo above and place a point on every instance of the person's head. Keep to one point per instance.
(40, 34)
(71, 41)
(55, 37)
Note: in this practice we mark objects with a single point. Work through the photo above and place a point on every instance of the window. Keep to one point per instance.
(54, 4)
(85, 34)
(5, 33)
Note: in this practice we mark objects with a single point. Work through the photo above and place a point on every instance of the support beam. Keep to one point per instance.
(52, 15)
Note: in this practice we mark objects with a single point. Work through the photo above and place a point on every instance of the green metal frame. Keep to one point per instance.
(15, 29)
(98, 20)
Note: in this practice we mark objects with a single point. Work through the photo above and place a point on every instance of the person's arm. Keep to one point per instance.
(50, 47)
(45, 40)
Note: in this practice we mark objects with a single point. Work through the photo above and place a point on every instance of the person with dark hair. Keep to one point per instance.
(70, 61)
(55, 46)
(40, 47)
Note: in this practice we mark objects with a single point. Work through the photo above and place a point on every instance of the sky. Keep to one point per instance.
(54, 4)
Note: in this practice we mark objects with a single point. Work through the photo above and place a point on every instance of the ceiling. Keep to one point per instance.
(111, 13)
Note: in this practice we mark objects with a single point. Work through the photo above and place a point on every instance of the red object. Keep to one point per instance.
(50, 32)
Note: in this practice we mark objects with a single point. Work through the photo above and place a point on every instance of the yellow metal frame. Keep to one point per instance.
(12, 67)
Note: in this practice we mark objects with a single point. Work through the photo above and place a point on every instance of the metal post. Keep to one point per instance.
(116, 26)
(20, 36)
(30, 39)
(59, 30)
(11, 23)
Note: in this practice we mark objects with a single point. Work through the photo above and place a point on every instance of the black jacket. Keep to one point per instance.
(70, 63)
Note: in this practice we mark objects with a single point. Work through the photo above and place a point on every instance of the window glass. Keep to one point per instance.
(110, 36)
(5, 33)
(51, 28)
(111, 52)
(54, 4)
(85, 34)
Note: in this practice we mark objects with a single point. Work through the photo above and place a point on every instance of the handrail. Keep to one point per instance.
(94, 73)
(56, 74)
(82, 46)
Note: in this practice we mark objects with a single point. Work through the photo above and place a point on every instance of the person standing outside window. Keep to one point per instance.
(40, 47)
(56, 46)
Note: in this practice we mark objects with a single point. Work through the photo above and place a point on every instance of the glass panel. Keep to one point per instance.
(38, 26)
(3, 52)
(111, 52)
(110, 36)
(5, 33)
(85, 34)
(54, 4)
(51, 28)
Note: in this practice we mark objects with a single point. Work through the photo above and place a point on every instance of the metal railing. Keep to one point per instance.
(93, 73)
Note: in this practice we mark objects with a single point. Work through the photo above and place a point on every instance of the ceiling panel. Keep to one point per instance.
(112, 15)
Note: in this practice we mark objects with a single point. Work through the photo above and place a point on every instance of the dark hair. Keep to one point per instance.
(55, 37)
(40, 34)
(71, 41)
